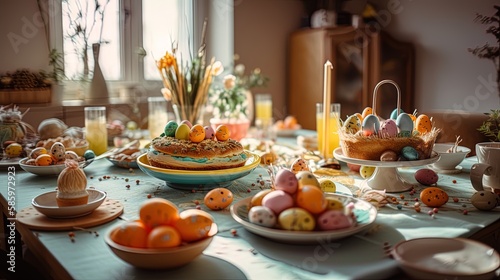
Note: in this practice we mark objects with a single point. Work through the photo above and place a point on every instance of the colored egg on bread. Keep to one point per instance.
(186, 122)
(433, 197)
(263, 216)
(197, 133)
(299, 165)
(370, 125)
(388, 128)
(209, 132)
(37, 151)
(193, 224)
(311, 198)
(218, 198)
(426, 176)
(286, 181)
(366, 111)
(423, 124)
(170, 128)
(296, 219)
(405, 124)
(44, 160)
(327, 185)
(352, 124)
(222, 133)
(307, 178)
(182, 132)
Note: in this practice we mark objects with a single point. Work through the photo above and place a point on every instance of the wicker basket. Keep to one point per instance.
(372, 147)
(26, 96)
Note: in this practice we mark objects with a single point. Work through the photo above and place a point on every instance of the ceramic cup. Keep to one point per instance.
(486, 173)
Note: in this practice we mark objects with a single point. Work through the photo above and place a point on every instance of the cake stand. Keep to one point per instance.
(386, 176)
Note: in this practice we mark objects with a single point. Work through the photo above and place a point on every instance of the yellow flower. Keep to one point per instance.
(169, 59)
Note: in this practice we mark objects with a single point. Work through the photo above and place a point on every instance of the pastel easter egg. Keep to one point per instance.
(14, 150)
(58, 151)
(297, 219)
(311, 199)
(423, 124)
(197, 133)
(71, 155)
(405, 124)
(371, 125)
(366, 171)
(170, 128)
(194, 224)
(388, 128)
(277, 201)
(327, 185)
(333, 203)
(367, 111)
(334, 219)
(182, 132)
(360, 117)
(286, 181)
(352, 124)
(426, 176)
(88, 155)
(307, 178)
(268, 158)
(256, 200)
(186, 122)
(209, 132)
(409, 153)
(433, 197)
(262, 216)
(222, 133)
(485, 200)
(389, 156)
(218, 198)
(37, 151)
(395, 113)
(299, 165)
(44, 160)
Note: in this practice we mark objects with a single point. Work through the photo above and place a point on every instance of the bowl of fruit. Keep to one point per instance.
(287, 127)
(162, 237)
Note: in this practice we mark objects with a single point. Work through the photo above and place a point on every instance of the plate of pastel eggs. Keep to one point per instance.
(299, 211)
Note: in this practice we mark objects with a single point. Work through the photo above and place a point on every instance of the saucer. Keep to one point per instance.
(458, 169)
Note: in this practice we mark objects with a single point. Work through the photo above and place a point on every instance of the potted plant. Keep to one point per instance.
(233, 101)
(491, 127)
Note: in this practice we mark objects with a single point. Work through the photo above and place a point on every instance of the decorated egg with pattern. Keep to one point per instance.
(352, 124)
(366, 171)
(14, 150)
(388, 128)
(71, 155)
(367, 111)
(426, 176)
(371, 125)
(405, 124)
(423, 124)
(333, 203)
(186, 122)
(286, 181)
(197, 133)
(193, 224)
(299, 165)
(209, 132)
(311, 198)
(262, 216)
(277, 201)
(395, 114)
(307, 178)
(182, 132)
(485, 200)
(218, 198)
(296, 218)
(222, 133)
(170, 128)
(327, 185)
(58, 151)
(409, 153)
(334, 219)
(44, 160)
(257, 198)
(433, 197)
(37, 151)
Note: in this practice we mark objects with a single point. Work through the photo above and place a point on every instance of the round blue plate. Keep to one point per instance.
(189, 180)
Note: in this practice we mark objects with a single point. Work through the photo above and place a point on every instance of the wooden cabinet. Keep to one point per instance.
(361, 59)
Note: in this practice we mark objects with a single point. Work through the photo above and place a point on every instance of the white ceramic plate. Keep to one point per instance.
(50, 170)
(46, 204)
(338, 154)
(446, 258)
(364, 211)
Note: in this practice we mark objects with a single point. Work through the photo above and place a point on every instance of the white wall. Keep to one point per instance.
(447, 75)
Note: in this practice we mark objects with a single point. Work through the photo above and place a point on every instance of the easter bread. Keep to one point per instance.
(172, 153)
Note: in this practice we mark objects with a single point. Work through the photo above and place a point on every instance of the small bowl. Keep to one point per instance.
(50, 170)
(447, 258)
(161, 258)
(449, 161)
(79, 150)
(46, 204)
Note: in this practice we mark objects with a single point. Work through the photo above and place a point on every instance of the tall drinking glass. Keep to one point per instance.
(95, 129)
(332, 130)
(157, 116)
(263, 109)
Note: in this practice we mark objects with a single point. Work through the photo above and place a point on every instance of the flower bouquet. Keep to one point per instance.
(186, 84)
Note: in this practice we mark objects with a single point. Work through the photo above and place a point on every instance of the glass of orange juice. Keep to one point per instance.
(157, 115)
(332, 130)
(95, 129)
(263, 108)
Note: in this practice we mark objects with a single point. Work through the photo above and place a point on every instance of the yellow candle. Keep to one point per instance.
(326, 106)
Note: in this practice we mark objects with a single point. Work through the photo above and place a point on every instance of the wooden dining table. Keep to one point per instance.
(80, 252)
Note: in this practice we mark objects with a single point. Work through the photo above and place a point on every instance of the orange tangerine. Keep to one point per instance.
(290, 122)
(164, 237)
(158, 211)
(131, 234)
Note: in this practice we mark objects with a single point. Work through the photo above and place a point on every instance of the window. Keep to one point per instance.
(132, 33)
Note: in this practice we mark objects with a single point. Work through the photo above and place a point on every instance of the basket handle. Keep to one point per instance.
(375, 91)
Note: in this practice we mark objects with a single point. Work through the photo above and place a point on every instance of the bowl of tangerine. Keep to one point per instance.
(162, 237)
